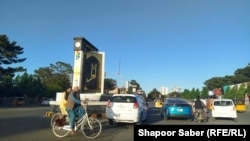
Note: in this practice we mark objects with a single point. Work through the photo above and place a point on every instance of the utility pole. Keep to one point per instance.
(121, 77)
(121, 85)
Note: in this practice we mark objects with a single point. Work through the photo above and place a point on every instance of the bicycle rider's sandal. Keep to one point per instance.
(72, 132)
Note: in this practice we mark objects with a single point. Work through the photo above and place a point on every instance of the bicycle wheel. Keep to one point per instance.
(91, 129)
(61, 129)
(54, 117)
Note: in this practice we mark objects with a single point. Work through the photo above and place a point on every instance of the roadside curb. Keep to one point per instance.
(49, 114)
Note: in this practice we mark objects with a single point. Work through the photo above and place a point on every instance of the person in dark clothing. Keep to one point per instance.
(199, 106)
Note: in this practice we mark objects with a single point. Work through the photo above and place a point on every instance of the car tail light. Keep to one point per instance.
(108, 104)
(136, 105)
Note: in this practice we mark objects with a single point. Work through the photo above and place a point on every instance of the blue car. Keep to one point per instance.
(176, 108)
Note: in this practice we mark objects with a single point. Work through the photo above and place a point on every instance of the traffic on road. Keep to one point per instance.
(31, 123)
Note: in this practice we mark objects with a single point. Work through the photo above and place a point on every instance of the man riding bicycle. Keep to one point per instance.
(74, 107)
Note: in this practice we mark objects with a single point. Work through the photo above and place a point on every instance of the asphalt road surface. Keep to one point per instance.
(31, 124)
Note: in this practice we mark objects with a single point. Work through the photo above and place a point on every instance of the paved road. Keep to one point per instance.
(156, 119)
(31, 124)
(24, 124)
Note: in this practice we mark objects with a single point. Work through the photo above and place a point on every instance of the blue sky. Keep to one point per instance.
(170, 43)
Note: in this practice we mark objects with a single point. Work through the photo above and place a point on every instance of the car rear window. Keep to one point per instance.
(177, 102)
(223, 103)
(123, 99)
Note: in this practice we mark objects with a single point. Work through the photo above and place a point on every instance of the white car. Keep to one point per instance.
(46, 102)
(127, 108)
(223, 108)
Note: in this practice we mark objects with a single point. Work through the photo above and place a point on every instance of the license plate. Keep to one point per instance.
(179, 110)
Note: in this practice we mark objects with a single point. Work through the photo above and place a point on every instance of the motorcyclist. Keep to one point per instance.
(199, 106)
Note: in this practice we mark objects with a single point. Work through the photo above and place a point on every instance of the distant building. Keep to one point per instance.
(114, 91)
(176, 89)
(164, 90)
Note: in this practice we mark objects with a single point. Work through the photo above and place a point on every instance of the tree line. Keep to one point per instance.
(235, 86)
(46, 81)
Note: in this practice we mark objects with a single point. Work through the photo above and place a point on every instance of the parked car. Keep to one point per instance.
(18, 101)
(46, 101)
(127, 108)
(176, 108)
(224, 108)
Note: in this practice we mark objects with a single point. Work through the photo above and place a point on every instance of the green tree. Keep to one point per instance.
(248, 89)
(204, 92)
(6, 87)
(109, 84)
(233, 92)
(174, 94)
(241, 91)
(9, 55)
(244, 72)
(186, 94)
(28, 85)
(133, 86)
(228, 93)
(194, 92)
(241, 75)
(55, 78)
(215, 82)
(154, 94)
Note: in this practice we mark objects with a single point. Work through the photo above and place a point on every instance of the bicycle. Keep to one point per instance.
(90, 127)
(56, 114)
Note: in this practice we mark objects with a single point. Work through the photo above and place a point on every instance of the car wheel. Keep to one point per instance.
(207, 119)
(165, 117)
(140, 121)
(146, 118)
(161, 114)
